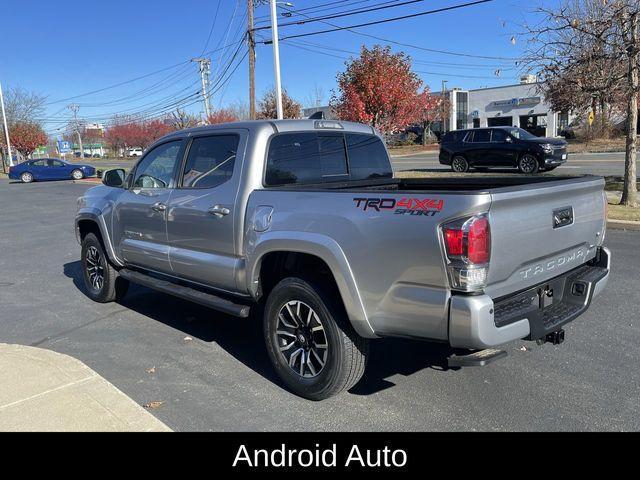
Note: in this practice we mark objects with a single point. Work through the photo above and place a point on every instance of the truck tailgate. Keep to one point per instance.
(542, 231)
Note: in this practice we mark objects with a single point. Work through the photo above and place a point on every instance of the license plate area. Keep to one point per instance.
(552, 304)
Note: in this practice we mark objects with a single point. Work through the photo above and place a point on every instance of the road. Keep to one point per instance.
(596, 163)
(212, 372)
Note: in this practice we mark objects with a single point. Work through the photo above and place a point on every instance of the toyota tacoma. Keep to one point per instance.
(301, 224)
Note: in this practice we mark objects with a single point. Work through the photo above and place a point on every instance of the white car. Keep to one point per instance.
(134, 152)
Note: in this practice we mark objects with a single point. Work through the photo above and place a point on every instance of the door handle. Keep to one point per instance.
(219, 211)
(159, 207)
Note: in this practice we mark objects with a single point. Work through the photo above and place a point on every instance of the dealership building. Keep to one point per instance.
(520, 105)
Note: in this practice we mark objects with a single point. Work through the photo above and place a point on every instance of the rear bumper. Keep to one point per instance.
(477, 322)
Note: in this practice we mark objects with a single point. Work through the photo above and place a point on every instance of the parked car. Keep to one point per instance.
(134, 152)
(49, 169)
(302, 223)
(503, 147)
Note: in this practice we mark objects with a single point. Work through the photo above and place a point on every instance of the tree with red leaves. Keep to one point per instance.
(224, 115)
(124, 133)
(26, 137)
(430, 108)
(155, 129)
(380, 89)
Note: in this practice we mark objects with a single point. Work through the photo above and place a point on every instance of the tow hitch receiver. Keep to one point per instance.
(476, 359)
(556, 337)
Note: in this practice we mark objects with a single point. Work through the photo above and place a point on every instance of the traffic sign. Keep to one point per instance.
(64, 146)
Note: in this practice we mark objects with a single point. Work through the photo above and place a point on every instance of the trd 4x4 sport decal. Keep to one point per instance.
(405, 206)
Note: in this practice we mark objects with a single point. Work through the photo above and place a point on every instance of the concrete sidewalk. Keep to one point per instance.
(41, 390)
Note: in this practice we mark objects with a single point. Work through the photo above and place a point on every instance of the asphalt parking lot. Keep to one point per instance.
(212, 372)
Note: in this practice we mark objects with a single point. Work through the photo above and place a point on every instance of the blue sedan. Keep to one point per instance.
(50, 169)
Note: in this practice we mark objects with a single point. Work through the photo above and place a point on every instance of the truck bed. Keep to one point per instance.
(397, 222)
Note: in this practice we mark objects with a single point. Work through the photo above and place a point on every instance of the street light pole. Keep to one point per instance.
(6, 129)
(276, 59)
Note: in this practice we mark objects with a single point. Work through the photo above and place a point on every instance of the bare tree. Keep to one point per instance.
(23, 106)
(181, 119)
(316, 97)
(240, 109)
(586, 53)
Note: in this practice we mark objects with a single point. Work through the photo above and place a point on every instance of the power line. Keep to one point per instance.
(492, 66)
(213, 24)
(386, 20)
(417, 71)
(119, 84)
(320, 8)
(343, 14)
(404, 44)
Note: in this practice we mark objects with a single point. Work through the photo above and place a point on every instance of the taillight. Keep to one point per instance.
(468, 251)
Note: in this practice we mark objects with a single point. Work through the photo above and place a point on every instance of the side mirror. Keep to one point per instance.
(508, 140)
(114, 178)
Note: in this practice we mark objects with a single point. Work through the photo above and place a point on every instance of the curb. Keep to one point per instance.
(412, 154)
(623, 224)
(43, 390)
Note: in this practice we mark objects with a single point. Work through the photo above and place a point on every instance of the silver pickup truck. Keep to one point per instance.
(301, 223)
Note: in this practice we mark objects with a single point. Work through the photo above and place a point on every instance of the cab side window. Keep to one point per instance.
(157, 168)
(210, 161)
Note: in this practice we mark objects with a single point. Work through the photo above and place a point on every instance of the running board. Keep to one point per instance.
(476, 359)
(186, 293)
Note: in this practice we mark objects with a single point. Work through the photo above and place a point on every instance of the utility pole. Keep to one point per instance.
(252, 61)
(6, 130)
(276, 58)
(74, 107)
(204, 66)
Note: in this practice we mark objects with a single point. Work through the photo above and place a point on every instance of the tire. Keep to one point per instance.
(77, 174)
(528, 164)
(305, 315)
(459, 164)
(105, 286)
(26, 177)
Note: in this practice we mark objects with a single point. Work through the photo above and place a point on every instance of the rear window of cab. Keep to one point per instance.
(301, 158)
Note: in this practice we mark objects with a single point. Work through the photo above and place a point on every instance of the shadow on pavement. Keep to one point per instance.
(243, 338)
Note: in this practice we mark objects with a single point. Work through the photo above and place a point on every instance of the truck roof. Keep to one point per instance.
(277, 126)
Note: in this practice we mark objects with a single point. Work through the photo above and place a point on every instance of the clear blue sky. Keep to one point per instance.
(68, 47)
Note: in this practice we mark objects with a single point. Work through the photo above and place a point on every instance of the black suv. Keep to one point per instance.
(506, 147)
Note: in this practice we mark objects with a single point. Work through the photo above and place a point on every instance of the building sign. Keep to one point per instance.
(517, 102)
(64, 146)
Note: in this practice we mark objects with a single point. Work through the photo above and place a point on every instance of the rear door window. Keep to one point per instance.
(210, 161)
(499, 136)
(480, 136)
